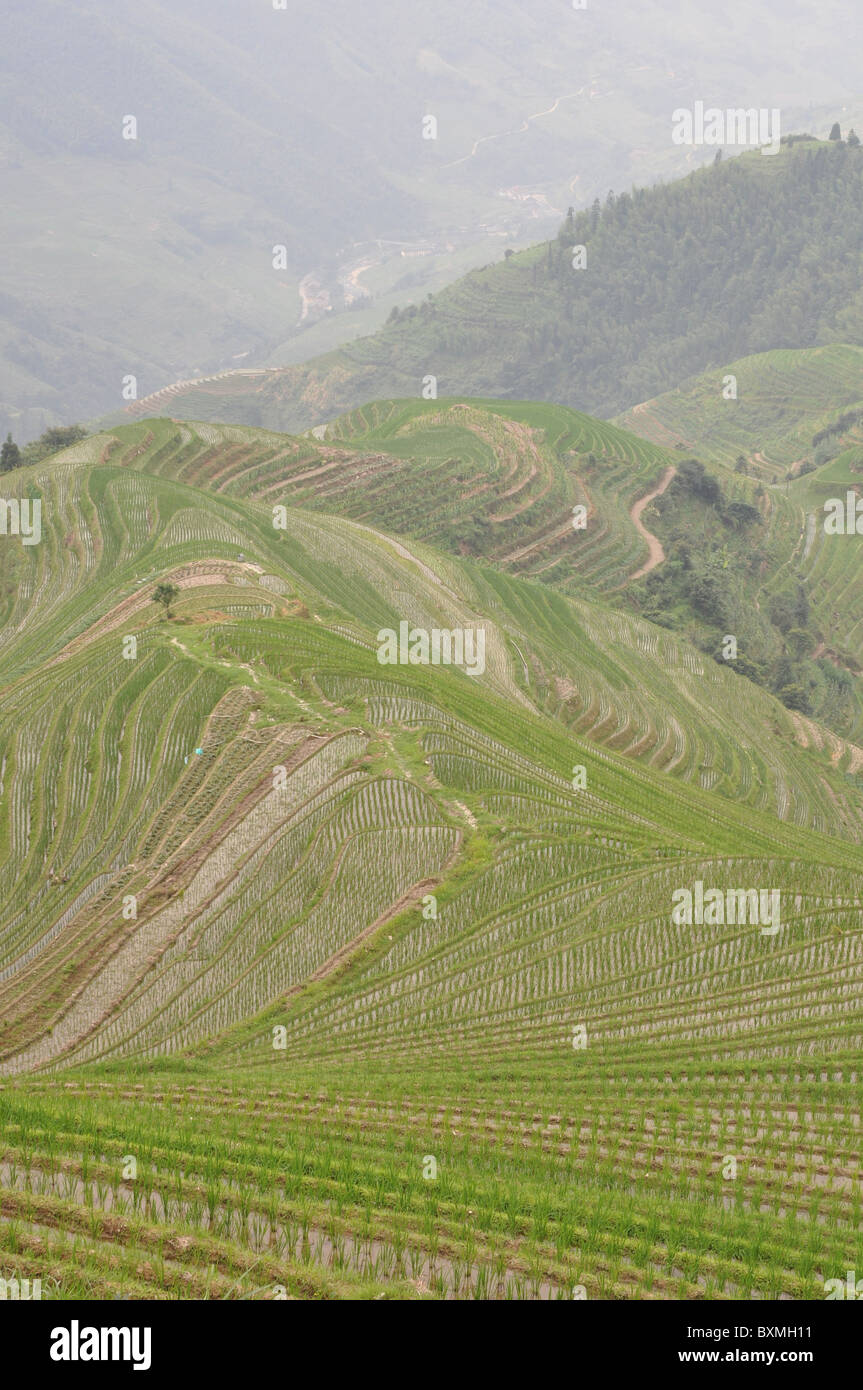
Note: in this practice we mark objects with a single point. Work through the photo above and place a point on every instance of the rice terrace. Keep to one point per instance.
(431, 775)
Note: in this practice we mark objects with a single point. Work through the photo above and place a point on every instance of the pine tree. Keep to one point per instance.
(10, 455)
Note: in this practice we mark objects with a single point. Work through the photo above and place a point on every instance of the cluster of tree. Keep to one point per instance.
(836, 134)
(165, 595)
(702, 593)
(693, 480)
(707, 269)
(424, 309)
(708, 544)
(10, 455)
(789, 610)
(54, 439)
(813, 687)
(839, 426)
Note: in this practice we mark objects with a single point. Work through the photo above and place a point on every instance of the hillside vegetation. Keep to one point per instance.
(749, 255)
(484, 479)
(784, 400)
(790, 443)
(504, 482)
(380, 998)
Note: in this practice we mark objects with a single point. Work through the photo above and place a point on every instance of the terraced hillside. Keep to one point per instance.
(790, 443)
(829, 563)
(784, 398)
(806, 411)
(502, 482)
(346, 980)
(643, 692)
(487, 479)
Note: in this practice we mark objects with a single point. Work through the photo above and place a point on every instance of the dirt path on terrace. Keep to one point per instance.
(656, 554)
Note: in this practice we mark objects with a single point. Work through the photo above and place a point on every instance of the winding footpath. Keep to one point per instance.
(656, 554)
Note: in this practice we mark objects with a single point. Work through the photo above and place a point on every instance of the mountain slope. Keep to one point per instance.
(401, 1008)
(752, 254)
(783, 399)
(145, 758)
(480, 478)
(547, 493)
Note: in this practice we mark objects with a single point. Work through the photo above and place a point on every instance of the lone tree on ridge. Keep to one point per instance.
(166, 594)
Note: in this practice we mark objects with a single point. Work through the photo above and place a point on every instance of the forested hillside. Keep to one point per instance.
(749, 254)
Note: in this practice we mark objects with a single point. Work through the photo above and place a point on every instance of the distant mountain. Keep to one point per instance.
(751, 254)
(303, 128)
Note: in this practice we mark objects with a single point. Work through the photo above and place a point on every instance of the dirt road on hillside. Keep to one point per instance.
(656, 554)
